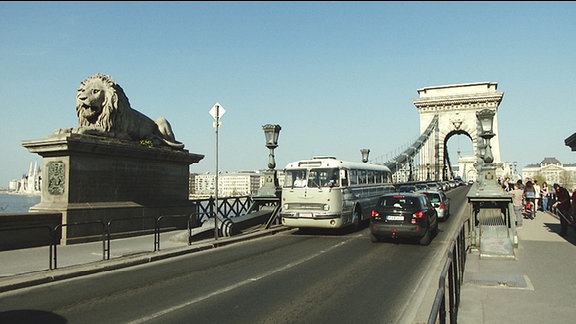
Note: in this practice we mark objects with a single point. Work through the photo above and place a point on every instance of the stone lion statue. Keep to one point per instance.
(103, 109)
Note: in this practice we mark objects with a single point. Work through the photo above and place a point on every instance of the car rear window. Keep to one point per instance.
(434, 197)
(399, 201)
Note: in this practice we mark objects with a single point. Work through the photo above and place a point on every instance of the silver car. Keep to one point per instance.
(440, 202)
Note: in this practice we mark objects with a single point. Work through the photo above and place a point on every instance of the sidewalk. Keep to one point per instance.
(29, 267)
(539, 286)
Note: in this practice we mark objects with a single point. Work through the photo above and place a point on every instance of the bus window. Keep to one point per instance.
(353, 177)
(323, 178)
(333, 178)
(295, 178)
(362, 177)
(370, 176)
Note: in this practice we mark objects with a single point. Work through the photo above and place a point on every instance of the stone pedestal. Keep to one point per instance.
(91, 179)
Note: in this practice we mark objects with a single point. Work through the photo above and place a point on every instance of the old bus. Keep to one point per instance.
(325, 192)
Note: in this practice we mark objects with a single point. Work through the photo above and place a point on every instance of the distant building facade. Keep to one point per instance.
(30, 183)
(242, 183)
(229, 184)
(552, 171)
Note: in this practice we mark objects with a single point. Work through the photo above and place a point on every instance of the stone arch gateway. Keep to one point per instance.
(456, 107)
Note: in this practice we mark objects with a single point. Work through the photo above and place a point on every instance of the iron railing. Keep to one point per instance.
(228, 207)
(451, 279)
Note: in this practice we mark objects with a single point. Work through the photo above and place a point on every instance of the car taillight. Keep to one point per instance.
(418, 214)
(375, 214)
(441, 205)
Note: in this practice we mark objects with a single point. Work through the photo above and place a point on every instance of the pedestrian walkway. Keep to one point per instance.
(28, 267)
(538, 286)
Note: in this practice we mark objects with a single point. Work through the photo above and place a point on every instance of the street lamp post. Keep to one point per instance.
(270, 186)
(488, 170)
(486, 118)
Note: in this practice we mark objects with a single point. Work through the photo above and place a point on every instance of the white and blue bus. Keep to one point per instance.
(325, 192)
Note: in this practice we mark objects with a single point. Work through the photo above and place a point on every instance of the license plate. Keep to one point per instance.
(305, 215)
(395, 218)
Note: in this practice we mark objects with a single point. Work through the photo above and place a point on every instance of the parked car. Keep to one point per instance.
(407, 188)
(404, 216)
(441, 202)
(436, 186)
(422, 187)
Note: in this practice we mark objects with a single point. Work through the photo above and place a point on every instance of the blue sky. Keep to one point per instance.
(337, 76)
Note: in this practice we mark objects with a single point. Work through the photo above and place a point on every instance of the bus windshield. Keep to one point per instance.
(325, 177)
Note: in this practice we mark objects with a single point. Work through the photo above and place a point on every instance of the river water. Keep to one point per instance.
(15, 203)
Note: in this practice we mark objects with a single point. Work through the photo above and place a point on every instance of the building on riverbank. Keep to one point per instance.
(242, 183)
(30, 183)
(552, 171)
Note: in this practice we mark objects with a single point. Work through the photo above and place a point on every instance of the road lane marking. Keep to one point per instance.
(237, 285)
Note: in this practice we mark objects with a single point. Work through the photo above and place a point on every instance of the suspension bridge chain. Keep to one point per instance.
(408, 155)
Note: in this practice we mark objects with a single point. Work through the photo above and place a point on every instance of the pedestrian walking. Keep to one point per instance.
(545, 194)
(529, 196)
(520, 183)
(563, 206)
(537, 195)
(517, 201)
(506, 184)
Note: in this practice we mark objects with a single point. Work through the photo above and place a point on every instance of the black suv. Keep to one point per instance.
(404, 215)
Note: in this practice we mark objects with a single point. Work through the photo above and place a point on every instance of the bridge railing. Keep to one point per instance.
(228, 207)
(451, 279)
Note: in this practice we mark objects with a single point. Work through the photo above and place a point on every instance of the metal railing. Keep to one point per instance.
(158, 229)
(56, 239)
(229, 207)
(451, 279)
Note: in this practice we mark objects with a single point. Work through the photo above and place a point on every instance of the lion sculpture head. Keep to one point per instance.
(103, 109)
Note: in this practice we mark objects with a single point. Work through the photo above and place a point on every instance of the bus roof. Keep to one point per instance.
(332, 162)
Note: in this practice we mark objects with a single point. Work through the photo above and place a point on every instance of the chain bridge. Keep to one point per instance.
(446, 111)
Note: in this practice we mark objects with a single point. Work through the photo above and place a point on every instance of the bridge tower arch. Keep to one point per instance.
(456, 107)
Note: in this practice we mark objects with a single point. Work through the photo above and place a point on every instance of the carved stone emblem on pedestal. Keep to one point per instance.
(56, 178)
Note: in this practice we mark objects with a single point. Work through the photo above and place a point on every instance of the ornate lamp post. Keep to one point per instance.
(488, 170)
(271, 132)
(268, 194)
(365, 153)
(488, 196)
(486, 118)
(270, 186)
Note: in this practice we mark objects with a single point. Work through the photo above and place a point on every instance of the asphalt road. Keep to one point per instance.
(291, 277)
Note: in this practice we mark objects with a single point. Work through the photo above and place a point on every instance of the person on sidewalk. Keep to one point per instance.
(545, 194)
(563, 206)
(537, 195)
(529, 197)
(517, 199)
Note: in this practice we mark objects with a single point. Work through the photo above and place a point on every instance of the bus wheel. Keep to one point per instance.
(356, 219)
